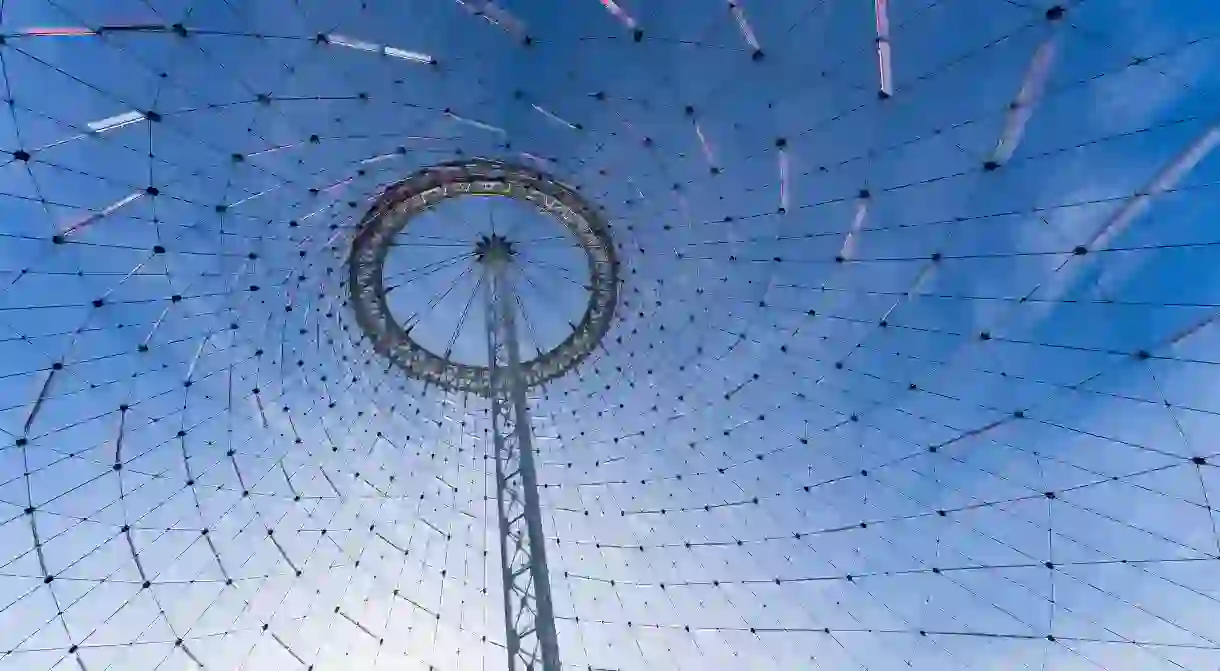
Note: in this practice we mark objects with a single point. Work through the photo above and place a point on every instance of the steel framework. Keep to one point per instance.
(528, 613)
(530, 635)
(393, 210)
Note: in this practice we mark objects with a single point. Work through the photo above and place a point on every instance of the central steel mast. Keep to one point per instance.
(529, 618)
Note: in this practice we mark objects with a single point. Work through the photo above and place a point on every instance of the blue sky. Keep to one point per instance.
(801, 392)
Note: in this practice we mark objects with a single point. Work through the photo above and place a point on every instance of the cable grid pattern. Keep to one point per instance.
(912, 363)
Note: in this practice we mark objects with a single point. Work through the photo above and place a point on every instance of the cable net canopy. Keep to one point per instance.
(912, 363)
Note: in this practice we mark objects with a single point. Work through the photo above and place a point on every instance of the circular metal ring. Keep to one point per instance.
(393, 210)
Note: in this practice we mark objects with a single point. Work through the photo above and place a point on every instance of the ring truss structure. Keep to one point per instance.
(392, 211)
(913, 361)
